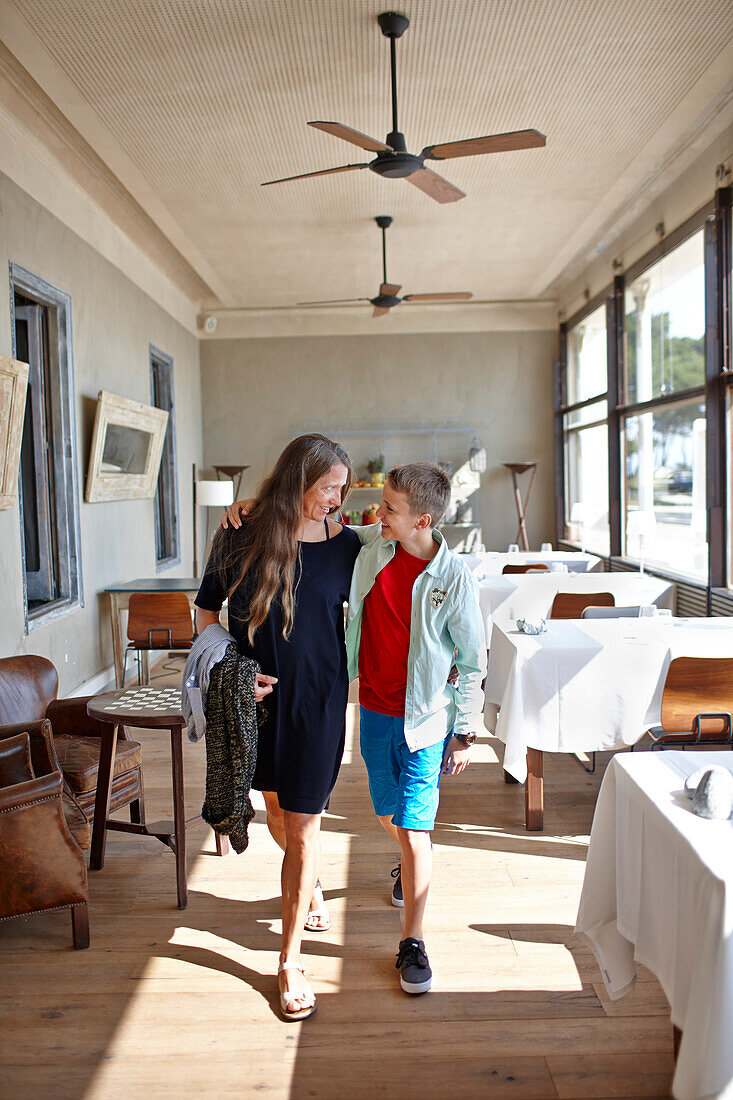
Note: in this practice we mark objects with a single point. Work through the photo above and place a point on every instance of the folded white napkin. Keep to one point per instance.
(529, 627)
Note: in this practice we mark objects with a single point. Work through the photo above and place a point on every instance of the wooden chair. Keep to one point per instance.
(697, 703)
(157, 620)
(41, 865)
(571, 605)
(529, 567)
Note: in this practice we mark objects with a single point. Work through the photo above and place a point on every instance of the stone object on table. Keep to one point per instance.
(527, 627)
(711, 792)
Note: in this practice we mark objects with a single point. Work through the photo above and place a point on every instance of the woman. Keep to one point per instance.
(287, 572)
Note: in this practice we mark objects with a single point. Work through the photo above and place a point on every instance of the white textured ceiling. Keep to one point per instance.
(208, 98)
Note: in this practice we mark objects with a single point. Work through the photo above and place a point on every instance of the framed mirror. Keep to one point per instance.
(126, 448)
(13, 383)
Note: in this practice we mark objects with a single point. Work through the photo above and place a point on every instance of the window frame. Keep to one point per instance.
(168, 463)
(715, 219)
(61, 405)
(562, 410)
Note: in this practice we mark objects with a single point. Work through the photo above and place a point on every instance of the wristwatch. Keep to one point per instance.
(465, 738)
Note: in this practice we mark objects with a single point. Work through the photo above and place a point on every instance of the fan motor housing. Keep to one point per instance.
(385, 301)
(396, 165)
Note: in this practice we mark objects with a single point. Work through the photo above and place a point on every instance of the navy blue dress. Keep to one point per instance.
(301, 743)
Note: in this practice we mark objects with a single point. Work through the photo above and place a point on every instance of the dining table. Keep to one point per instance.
(504, 599)
(491, 562)
(658, 890)
(584, 685)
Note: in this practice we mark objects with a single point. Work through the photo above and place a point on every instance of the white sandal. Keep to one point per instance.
(287, 999)
(321, 913)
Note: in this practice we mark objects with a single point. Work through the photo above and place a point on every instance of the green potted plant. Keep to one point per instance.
(375, 466)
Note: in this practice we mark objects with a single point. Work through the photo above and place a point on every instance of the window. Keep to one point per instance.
(585, 433)
(665, 325)
(664, 488)
(664, 499)
(167, 550)
(48, 490)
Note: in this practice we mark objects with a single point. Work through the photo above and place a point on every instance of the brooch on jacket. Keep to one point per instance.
(437, 596)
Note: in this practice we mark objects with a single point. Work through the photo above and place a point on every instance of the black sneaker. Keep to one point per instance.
(397, 898)
(412, 963)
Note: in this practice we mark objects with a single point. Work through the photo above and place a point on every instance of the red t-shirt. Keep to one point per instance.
(385, 635)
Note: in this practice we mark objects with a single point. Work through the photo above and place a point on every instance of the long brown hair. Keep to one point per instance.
(268, 548)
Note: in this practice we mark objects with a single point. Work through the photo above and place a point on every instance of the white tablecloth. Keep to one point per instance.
(491, 563)
(587, 684)
(520, 596)
(659, 889)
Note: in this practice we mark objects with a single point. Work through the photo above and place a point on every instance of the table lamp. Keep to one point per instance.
(208, 494)
(640, 525)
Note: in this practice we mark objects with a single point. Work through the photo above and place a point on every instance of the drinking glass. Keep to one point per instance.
(546, 548)
(513, 548)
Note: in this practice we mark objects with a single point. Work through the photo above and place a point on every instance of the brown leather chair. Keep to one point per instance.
(41, 865)
(28, 689)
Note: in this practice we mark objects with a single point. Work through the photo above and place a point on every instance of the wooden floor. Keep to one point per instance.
(182, 1004)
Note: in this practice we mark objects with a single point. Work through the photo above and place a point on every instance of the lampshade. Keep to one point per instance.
(214, 494)
(640, 524)
(477, 456)
(577, 513)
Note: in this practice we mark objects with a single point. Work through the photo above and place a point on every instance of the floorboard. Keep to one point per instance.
(182, 1004)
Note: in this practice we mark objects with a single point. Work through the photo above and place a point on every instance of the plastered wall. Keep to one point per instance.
(113, 323)
(258, 392)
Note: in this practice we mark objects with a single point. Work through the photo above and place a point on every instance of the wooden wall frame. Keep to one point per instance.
(13, 384)
(137, 481)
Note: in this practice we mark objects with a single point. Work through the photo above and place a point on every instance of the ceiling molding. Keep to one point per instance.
(189, 107)
(507, 316)
(27, 47)
(696, 121)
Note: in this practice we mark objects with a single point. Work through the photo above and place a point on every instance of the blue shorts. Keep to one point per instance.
(403, 784)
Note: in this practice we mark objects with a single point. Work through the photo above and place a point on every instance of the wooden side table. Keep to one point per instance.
(143, 708)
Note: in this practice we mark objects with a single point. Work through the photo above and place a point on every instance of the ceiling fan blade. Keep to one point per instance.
(332, 301)
(379, 311)
(494, 143)
(456, 296)
(435, 186)
(307, 175)
(390, 288)
(355, 137)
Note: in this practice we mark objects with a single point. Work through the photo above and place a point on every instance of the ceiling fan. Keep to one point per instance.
(387, 297)
(392, 159)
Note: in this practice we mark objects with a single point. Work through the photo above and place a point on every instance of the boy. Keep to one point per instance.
(413, 612)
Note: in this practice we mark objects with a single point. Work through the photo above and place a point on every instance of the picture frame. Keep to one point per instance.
(127, 446)
(13, 386)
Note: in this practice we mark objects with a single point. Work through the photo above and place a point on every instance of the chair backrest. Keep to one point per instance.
(697, 685)
(529, 567)
(571, 605)
(27, 685)
(15, 760)
(153, 614)
(611, 612)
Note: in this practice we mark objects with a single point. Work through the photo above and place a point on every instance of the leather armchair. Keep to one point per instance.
(41, 865)
(28, 690)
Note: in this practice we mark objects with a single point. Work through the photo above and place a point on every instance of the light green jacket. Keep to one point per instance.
(446, 620)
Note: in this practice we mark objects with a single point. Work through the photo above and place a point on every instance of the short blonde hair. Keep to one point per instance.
(426, 486)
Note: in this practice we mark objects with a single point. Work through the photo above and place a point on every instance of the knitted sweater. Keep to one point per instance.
(231, 746)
